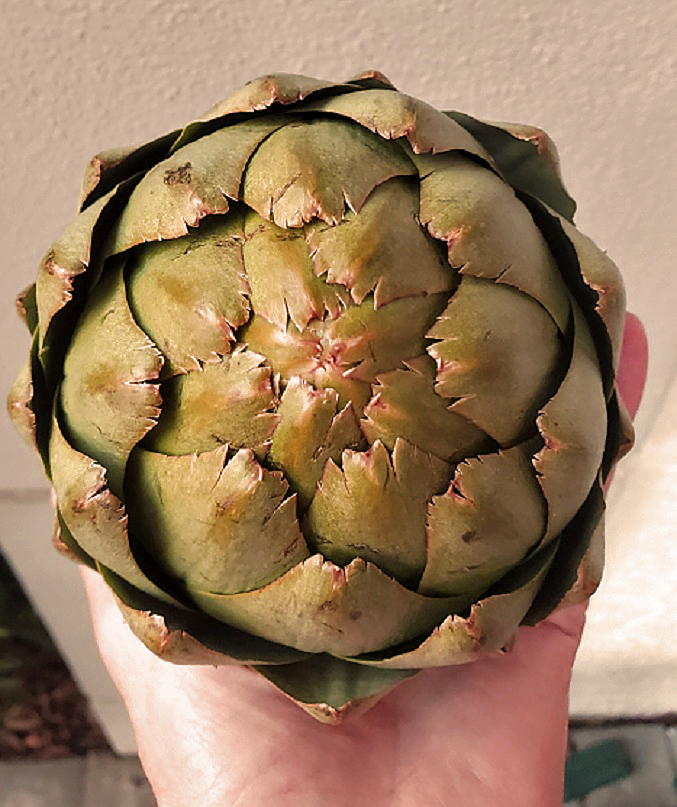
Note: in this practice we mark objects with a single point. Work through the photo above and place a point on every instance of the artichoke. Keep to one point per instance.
(325, 385)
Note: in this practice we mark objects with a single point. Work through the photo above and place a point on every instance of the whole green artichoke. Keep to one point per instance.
(324, 383)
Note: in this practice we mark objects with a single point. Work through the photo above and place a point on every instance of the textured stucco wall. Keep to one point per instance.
(77, 76)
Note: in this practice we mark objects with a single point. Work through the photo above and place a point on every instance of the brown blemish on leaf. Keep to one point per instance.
(181, 175)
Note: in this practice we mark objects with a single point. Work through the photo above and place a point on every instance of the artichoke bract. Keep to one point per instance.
(325, 385)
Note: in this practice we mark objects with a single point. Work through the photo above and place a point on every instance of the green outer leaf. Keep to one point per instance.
(217, 525)
(262, 92)
(486, 523)
(20, 405)
(374, 507)
(29, 406)
(108, 168)
(489, 231)
(520, 162)
(68, 258)
(314, 168)
(536, 137)
(330, 689)
(319, 607)
(102, 165)
(195, 181)
(27, 307)
(107, 402)
(620, 433)
(189, 294)
(571, 548)
(87, 252)
(571, 272)
(93, 515)
(381, 249)
(601, 274)
(591, 565)
(406, 405)
(573, 425)
(64, 542)
(255, 98)
(393, 115)
(189, 637)
(490, 626)
(372, 80)
(499, 353)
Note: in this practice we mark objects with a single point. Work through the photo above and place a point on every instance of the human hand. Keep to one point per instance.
(477, 735)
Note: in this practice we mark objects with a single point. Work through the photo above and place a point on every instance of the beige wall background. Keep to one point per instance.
(77, 76)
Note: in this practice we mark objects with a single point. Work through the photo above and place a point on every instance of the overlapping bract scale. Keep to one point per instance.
(322, 384)
(191, 294)
(313, 169)
(215, 524)
(496, 344)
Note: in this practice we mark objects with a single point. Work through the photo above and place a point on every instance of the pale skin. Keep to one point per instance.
(492, 732)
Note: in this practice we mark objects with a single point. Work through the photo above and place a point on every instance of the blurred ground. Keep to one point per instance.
(43, 714)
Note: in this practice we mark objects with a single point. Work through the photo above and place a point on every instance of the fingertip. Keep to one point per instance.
(633, 366)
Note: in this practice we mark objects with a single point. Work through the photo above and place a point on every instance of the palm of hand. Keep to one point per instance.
(459, 735)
